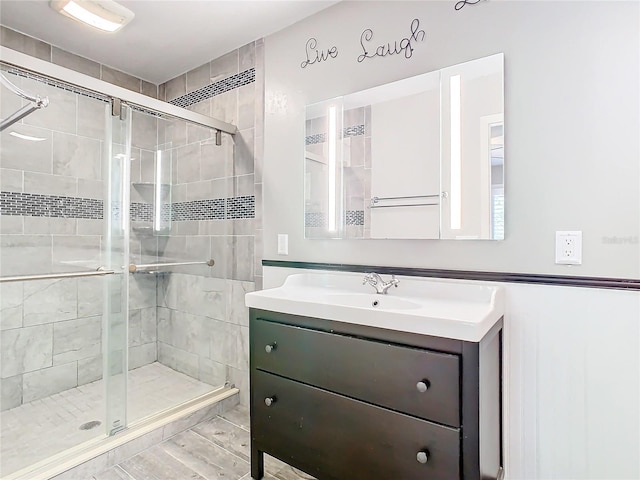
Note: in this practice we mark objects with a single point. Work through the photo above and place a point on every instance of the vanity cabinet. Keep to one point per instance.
(343, 401)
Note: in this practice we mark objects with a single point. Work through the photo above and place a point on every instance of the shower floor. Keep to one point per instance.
(35, 431)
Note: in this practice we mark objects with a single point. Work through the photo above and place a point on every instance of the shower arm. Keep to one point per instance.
(37, 102)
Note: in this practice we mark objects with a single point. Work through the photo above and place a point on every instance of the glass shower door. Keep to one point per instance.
(116, 255)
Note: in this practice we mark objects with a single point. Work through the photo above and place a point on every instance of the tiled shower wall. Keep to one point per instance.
(205, 333)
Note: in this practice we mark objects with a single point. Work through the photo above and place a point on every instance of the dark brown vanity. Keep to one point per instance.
(343, 401)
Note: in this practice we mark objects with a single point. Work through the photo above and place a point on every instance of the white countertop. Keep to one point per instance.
(443, 308)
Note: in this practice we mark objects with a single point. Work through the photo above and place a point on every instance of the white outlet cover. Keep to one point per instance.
(283, 244)
(569, 247)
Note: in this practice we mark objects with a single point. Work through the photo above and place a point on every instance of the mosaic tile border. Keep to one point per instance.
(319, 219)
(353, 131)
(37, 205)
(230, 83)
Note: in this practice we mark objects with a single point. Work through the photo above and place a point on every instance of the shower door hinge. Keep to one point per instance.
(116, 108)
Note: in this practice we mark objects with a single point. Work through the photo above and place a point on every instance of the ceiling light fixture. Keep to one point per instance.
(105, 15)
(26, 137)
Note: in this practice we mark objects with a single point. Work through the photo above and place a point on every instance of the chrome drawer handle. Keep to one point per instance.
(270, 348)
(423, 456)
(423, 386)
(269, 401)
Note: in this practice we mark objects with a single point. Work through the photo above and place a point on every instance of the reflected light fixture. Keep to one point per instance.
(105, 15)
(332, 226)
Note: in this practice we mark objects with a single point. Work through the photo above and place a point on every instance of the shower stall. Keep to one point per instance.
(114, 262)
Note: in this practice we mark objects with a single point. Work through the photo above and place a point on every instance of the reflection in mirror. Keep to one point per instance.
(421, 158)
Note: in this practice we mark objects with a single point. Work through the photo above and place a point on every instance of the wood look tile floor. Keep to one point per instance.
(214, 449)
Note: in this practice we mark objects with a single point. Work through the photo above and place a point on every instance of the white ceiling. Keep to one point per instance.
(167, 37)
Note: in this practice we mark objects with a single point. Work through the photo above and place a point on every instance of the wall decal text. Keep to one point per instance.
(404, 46)
(462, 3)
(315, 55)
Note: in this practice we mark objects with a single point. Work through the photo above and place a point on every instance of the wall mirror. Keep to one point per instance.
(420, 158)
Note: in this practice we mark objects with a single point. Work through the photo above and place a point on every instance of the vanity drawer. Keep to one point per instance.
(334, 437)
(419, 382)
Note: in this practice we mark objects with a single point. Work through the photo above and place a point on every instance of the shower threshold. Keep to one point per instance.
(99, 451)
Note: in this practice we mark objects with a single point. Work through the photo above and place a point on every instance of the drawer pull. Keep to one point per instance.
(269, 401)
(270, 348)
(423, 456)
(423, 386)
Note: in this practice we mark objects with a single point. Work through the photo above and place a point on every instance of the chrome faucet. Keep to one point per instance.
(380, 285)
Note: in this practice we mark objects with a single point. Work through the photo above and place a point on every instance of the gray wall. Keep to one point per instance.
(571, 122)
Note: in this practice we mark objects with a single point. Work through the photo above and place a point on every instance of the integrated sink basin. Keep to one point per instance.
(371, 300)
(443, 308)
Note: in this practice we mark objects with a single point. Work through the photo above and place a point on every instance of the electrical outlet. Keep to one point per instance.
(569, 248)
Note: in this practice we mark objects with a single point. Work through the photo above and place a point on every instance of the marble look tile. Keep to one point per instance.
(191, 420)
(172, 133)
(240, 378)
(216, 161)
(175, 88)
(237, 312)
(142, 326)
(243, 154)
(88, 226)
(24, 254)
(11, 225)
(50, 225)
(61, 113)
(142, 291)
(77, 339)
(144, 131)
(223, 342)
(91, 189)
(243, 255)
(188, 162)
(225, 107)
(47, 301)
(129, 449)
(69, 250)
(196, 133)
(149, 89)
(246, 106)
(89, 370)
(10, 180)
(11, 300)
(92, 117)
(23, 155)
(142, 355)
(90, 297)
(121, 79)
(247, 56)
(178, 360)
(162, 92)
(147, 168)
(224, 66)
(211, 372)
(40, 383)
(45, 184)
(11, 395)
(24, 44)
(198, 77)
(75, 62)
(187, 332)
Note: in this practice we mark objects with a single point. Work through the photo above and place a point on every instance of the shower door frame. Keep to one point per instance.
(80, 80)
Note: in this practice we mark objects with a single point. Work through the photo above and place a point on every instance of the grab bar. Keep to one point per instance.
(406, 205)
(49, 276)
(376, 200)
(133, 268)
